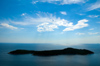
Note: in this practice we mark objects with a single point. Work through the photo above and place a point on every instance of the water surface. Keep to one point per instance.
(61, 60)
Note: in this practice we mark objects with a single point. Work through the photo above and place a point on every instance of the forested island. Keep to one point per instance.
(66, 51)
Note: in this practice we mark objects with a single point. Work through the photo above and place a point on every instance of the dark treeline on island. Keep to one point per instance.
(66, 51)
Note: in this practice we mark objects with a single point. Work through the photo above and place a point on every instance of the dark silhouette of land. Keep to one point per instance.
(66, 51)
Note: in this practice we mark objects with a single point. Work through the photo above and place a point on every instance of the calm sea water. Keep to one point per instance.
(61, 60)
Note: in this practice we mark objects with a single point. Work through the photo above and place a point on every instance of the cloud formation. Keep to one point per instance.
(80, 33)
(23, 14)
(93, 16)
(91, 29)
(63, 12)
(46, 27)
(81, 14)
(61, 2)
(62, 22)
(90, 33)
(34, 2)
(80, 24)
(49, 22)
(8, 26)
(94, 6)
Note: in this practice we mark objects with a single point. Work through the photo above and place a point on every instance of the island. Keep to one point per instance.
(66, 51)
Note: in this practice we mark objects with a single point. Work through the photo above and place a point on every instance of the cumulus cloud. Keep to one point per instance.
(8, 26)
(81, 24)
(63, 12)
(94, 6)
(61, 2)
(46, 27)
(80, 33)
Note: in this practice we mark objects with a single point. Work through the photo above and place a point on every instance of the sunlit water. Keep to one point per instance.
(61, 60)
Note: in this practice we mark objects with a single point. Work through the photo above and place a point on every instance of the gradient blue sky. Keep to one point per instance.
(50, 21)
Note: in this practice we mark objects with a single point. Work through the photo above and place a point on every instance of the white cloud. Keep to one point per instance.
(62, 22)
(62, 2)
(94, 6)
(23, 14)
(46, 27)
(8, 26)
(34, 2)
(90, 33)
(91, 29)
(72, 1)
(32, 21)
(63, 12)
(52, 23)
(93, 16)
(80, 33)
(40, 18)
(80, 24)
(48, 22)
(81, 14)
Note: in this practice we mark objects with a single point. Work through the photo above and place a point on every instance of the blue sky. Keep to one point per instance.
(50, 21)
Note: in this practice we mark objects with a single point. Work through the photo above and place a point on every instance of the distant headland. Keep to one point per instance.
(66, 51)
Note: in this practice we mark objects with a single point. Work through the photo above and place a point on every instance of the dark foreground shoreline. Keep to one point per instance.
(66, 51)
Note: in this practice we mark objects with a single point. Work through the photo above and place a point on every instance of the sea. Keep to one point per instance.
(60, 60)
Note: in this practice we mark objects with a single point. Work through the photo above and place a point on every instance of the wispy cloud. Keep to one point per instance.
(80, 33)
(63, 12)
(93, 16)
(29, 20)
(49, 22)
(8, 26)
(81, 14)
(23, 14)
(61, 2)
(94, 6)
(90, 33)
(34, 2)
(73, 1)
(91, 29)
